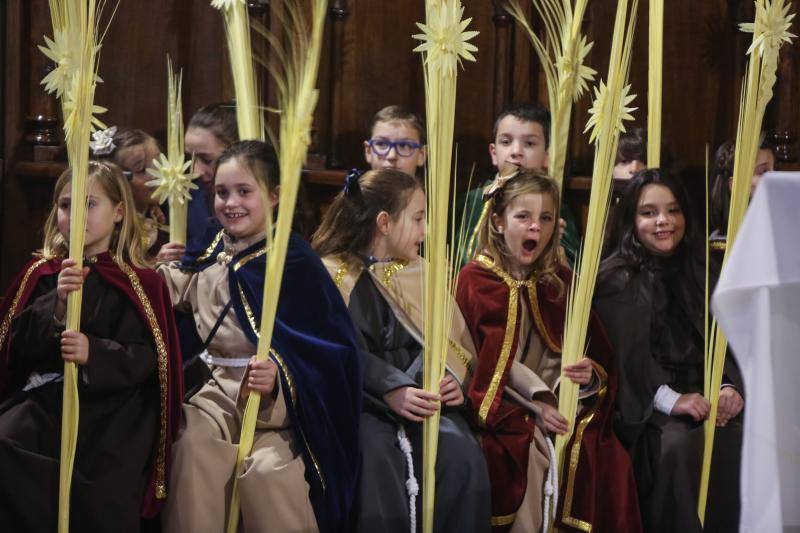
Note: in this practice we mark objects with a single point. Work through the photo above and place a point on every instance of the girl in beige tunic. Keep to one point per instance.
(276, 485)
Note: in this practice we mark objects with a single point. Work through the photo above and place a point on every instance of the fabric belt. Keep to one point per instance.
(36, 380)
(236, 362)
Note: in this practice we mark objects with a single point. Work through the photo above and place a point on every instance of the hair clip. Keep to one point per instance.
(497, 185)
(351, 182)
(102, 142)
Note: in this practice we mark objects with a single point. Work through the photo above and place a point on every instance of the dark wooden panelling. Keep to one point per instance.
(368, 63)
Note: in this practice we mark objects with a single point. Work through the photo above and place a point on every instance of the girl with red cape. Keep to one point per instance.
(513, 297)
(129, 371)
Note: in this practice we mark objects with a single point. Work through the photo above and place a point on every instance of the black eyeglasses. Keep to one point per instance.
(384, 146)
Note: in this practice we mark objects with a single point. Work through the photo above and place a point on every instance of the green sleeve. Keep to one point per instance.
(468, 212)
(571, 239)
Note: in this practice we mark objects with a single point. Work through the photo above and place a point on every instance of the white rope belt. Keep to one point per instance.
(36, 380)
(550, 488)
(236, 362)
(411, 483)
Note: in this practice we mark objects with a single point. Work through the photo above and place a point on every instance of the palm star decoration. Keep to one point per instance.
(71, 112)
(772, 24)
(173, 179)
(60, 49)
(224, 5)
(572, 64)
(444, 39)
(600, 110)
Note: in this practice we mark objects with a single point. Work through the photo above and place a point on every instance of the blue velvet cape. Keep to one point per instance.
(315, 347)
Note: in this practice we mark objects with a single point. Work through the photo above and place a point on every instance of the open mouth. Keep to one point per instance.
(665, 234)
(529, 245)
(234, 216)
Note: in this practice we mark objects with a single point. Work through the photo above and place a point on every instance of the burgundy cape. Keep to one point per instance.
(148, 292)
(597, 492)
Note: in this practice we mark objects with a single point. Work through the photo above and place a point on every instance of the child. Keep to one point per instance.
(631, 154)
(513, 297)
(520, 139)
(133, 151)
(300, 475)
(650, 297)
(397, 140)
(369, 241)
(210, 131)
(721, 194)
(129, 381)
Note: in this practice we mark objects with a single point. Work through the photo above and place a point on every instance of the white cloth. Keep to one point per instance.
(757, 304)
(665, 399)
(237, 362)
(36, 380)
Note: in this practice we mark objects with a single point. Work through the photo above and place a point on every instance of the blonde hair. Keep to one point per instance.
(492, 242)
(128, 239)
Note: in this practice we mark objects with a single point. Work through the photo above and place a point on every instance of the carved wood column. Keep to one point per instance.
(42, 124)
(338, 14)
(785, 133)
(503, 39)
(259, 11)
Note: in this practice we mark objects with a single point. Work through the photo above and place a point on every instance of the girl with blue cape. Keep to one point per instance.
(301, 473)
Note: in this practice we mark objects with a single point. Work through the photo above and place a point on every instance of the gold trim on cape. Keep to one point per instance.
(211, 247)
(508, 337)
(249, 257)
(503, 520)
(537, 318)
(390, 270)
(341, 271)
(248, 311)
(289, 381)
(6, 324)
(461, 355)
(575, 453)
(161, 348)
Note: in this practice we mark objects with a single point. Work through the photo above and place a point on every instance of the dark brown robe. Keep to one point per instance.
(654, 319)
(118, 422)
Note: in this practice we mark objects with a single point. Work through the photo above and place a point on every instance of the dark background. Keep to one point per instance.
(367, 63)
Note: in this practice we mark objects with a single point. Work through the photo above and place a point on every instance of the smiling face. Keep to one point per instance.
(101, 217)
(406, 231)
(206, 149)
(660, 223)
(520, 143)
(238, 200)
(395, 131)
(136, 160)
(527, 225)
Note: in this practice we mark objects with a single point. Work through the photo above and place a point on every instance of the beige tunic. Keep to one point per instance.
(272, 487)
(535, 378)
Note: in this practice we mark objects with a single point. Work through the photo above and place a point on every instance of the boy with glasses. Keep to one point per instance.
(397, 140)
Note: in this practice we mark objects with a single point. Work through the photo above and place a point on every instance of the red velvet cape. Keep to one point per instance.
(150, 296)
(598, 493)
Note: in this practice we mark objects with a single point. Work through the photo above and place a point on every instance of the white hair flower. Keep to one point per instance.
(102, 142)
